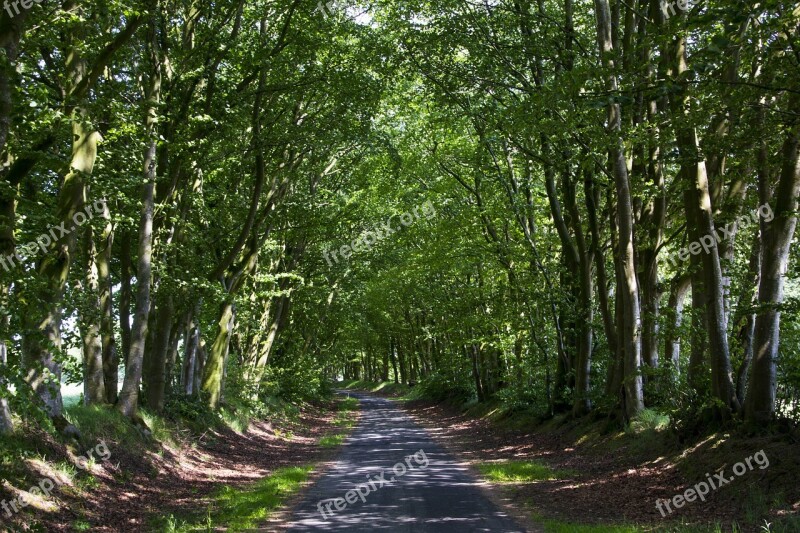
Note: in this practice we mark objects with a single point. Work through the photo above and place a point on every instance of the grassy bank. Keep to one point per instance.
(245, 507)
(231, 463)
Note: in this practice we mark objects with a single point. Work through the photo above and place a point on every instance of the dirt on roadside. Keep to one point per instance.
(129, 491)
(616, 480)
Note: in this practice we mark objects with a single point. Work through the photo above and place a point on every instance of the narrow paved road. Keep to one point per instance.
(435, 493)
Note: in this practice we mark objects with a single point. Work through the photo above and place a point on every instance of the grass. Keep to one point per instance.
(520, 472)
(346, 416)
(556, 526)
(348, 404)
(332, 441)
(246, 508)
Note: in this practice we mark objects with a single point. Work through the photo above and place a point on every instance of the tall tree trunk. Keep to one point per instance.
(6, 422)
(747, 318)
(592, 198)
(776, 243)
(94, 389)
(215, 366)
(129, 396)
(155, 378)
(401, 357)
(393, 356)
(700, 218)
(43, 370)
(630, 337)
(110, 357)
(679, 287)
(125, 292)
(476, 374)
(11, 32)
(585, 309)
(191, 344)
(277, 320)
(200, 363)
(172, 353)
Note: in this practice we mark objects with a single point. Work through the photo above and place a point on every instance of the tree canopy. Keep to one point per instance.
(563, 206)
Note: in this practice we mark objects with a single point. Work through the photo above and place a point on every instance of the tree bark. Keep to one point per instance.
(94, 389)
(110, 357)
(630, 337)
(191, 344)
(700, 219)
(214, 371)
(747, 318)
(43, 342)
(776, 243)
(125, 297)
(129, 396)
(6, 422)
(155, 377)
(679, 287)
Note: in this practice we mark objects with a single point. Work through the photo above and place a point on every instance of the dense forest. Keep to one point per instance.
(580, 208)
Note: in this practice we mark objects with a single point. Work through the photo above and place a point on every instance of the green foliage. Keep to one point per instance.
(648, 420)
(516, 399)
(440, 388)
(296, 382)
(520, 472)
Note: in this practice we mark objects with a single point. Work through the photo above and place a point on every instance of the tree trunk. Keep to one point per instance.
(155, 377)
(476, 375)
(43, 342)
(401, 356)
(110, 357)
(125, 297)
(213, 373)
(592, 200)
(13, 29)
(630, 337)
(777, 240)
(679, 287)
(94, 390)
(6, 422)
(393, 356)
(700, 221)
(191, 345)
(129, 397)
(200, 363)
(747, 318)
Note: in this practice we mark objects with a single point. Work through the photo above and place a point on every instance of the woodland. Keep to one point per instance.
(568, 208)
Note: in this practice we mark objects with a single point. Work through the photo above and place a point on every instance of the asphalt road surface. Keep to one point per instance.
(391, 476)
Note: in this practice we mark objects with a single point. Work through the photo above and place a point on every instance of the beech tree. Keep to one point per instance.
(570, 207)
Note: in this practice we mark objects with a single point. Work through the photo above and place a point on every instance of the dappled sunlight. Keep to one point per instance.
(440, 497)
